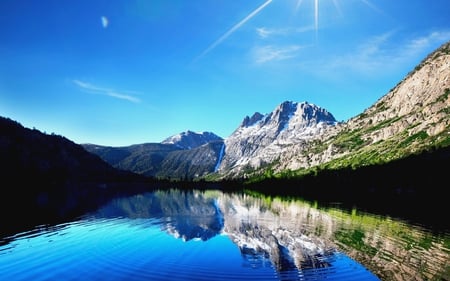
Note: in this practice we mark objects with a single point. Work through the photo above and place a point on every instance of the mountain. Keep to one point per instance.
(192, 216)
(197, 215)
(299, 138)
(48, 176)
(257, 141)
(186, 155)
(193, 163)
(413, 117)
(260, 139)
(404, 136)
(189, 139)
(30, 156)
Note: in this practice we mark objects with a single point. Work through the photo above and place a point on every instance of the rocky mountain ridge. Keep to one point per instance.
(296, 137)
(182, 156)
(256, 142)
(411, 117)
(190, 140)
(260, 139)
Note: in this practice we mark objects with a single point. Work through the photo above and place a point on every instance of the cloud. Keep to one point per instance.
(271, 53)
(105, 21)
(264, 32)
(124, 95)
(234, 28)
(419, 44)
(373, 47)
(381, 54)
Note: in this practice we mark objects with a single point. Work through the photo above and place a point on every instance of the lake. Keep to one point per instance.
(175, 234)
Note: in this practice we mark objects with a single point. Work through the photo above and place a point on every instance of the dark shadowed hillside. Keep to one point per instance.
(45, 176)
(185, 156)
(413, 187)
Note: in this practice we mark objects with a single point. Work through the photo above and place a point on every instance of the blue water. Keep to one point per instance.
(140, 249)
(211, 235)
(193, 235)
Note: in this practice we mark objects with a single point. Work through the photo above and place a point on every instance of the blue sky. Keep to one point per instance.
(133, 71)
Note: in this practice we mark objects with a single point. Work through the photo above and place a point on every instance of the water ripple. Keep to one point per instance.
(188, 236)
(124, 249)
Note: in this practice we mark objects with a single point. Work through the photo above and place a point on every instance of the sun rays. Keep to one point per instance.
(299, 4)
(316, 9)
(234, 28)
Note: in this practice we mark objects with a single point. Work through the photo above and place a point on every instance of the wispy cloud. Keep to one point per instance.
(272, 53)
(234, 28)
(105, 21)
(373, 47)
(93, 89)
(264, 32)
(419, 44)
(380, 54)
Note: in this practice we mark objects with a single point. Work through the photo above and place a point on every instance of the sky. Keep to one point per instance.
(126, 72)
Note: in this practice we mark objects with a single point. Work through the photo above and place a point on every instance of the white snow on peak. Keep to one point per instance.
(190, 139)
(262, 142)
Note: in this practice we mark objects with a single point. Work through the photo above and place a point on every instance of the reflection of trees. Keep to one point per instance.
(395, 250)
(289, 230)
(294, 235)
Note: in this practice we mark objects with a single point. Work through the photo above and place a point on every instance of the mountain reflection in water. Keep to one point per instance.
(295, 234)
(256, 230)
(185, 215)
(275, 239)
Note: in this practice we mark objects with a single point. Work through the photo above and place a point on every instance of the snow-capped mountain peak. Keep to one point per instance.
(190, 139)
(287, 117)
(292, 114)
(261, 138)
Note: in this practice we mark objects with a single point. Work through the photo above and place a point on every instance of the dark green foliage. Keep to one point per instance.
(444, 96)
(382, 124)
(348, 141)
(420, 136)
(381, 106)
(355, 240)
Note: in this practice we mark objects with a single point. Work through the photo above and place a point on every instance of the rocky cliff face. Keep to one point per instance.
(419, 103)
(413, 116)
(261, 138)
